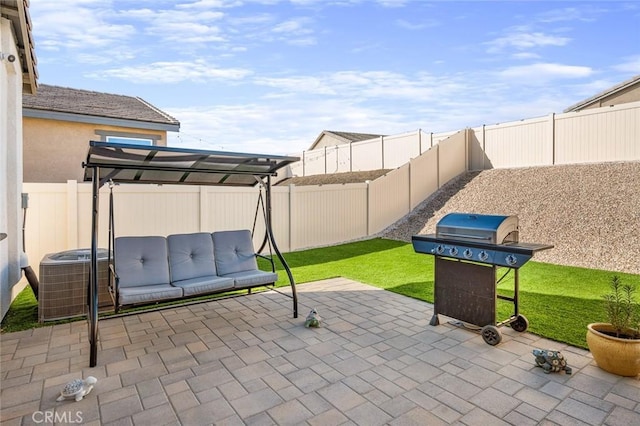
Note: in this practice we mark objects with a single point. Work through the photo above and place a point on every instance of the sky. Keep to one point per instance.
(268, 76)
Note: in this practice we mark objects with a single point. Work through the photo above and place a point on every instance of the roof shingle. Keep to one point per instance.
(85, 102)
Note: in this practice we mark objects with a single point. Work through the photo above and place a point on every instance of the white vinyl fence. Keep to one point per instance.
(593, 135)
(59, 215)
(388, 152)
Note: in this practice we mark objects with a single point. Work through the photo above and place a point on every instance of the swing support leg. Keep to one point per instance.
(269, 236)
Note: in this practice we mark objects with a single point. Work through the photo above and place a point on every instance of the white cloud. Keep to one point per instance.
(172, 72)
(541, 73)
(631, 64)
(525, 40)
(414, 26)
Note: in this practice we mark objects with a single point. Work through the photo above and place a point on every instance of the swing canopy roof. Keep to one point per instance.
(123, 163)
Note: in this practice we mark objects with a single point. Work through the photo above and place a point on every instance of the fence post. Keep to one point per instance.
(437, 166)
(368, 218)
(553, 138)
(204, 207)
(382, 150)
(409, 185)
(72, 214)
(351, 156)
(292, 187)
(484, 148)
(303, 171)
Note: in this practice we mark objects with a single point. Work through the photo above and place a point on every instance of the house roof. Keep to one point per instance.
(121, 163)
(17, 11)
(346, 137)
(59, 102)
(604, 94)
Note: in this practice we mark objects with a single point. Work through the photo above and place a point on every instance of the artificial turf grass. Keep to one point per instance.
(559, 301)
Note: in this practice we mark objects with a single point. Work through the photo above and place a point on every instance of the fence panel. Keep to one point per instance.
(344, 158)
(452, 157)
(398, 150)
(367, 155)
(388, 199)
(313, 162)
(154, 210)
(280, 214)
(47, 221)
(519, 144)
(327, 214)
(597, 135)
(423, 176)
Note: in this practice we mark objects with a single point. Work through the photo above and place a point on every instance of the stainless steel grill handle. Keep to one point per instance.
(474, 237)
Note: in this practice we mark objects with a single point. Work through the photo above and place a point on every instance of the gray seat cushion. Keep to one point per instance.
(253, 278)
(141, 261)
(235, 258)
(234, 252)
(148, 293)
(202, 285)
(191, 256)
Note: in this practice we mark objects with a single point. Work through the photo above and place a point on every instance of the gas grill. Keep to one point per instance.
(469, 249)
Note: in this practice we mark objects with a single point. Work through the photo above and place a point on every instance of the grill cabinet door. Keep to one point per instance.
(465, 291)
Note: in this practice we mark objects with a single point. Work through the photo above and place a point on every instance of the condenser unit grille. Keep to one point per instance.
(63, 284)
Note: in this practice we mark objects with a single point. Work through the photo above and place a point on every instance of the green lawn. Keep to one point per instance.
(558, 301)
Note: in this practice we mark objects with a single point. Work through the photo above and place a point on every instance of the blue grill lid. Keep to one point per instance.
(494, 229)
(487, 222)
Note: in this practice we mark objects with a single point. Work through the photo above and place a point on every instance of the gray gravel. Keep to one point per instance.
(589, 212)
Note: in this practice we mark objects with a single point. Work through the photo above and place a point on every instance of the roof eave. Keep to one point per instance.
(21, 22)
(105, 121)
(611, 91)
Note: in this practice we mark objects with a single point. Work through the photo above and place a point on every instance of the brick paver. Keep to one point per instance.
(374, 360)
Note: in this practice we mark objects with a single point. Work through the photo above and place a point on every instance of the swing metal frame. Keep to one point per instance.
(120, 163)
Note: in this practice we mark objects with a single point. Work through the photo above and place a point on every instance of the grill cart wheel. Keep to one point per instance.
(520, 324)
(491, 335)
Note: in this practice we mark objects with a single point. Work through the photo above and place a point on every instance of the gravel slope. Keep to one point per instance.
(589, 212)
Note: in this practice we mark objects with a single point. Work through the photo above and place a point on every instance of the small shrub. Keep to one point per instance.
(622, 310)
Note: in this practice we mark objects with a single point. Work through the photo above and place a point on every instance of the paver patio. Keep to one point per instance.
(245, 360)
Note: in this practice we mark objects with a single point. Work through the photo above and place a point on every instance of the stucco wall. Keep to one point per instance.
(630, 94)
(328, 140)
(54, 150)
(10, 167)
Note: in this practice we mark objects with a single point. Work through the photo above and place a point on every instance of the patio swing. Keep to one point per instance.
(146, 270)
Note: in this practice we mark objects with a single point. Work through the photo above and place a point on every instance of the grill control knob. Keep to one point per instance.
(440, 249)
(453, 251)
(483, 255)
(468, 253)
(511, 260)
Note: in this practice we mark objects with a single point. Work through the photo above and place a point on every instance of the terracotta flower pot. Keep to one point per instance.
(616, 355)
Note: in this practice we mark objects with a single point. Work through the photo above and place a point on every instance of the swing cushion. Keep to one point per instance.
(192, 265)
(142, 270)
(235, 258)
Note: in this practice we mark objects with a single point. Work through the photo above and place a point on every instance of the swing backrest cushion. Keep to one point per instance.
(191, 256)
(234, 252)
(141, 261)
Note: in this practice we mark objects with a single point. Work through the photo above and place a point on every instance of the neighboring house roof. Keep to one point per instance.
(63, 103)
(17, 11)
(344, 136)
(634, 81)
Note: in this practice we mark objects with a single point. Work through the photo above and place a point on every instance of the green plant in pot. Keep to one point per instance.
(615, 345)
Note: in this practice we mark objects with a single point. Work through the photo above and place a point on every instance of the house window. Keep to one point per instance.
(129, 141)
(129, 138)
